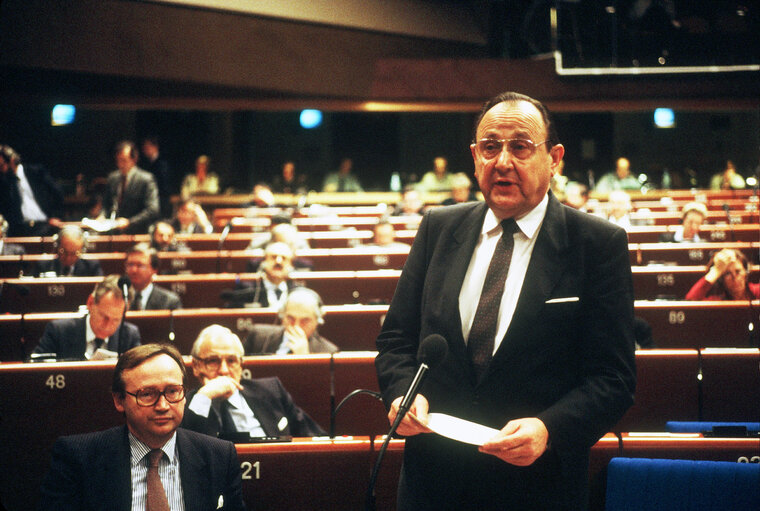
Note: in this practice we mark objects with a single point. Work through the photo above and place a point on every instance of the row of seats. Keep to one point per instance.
(66, 294)
(74, 397)
(361, 258)
(355, 327)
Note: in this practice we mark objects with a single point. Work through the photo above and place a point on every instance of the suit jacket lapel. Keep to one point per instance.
(455, 263)
(193, 473)
(546, 266)
(263, 414)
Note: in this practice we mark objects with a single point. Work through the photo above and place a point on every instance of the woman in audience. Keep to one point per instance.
(202, 181)
(729, 179)
(726, 279)
(191, 219)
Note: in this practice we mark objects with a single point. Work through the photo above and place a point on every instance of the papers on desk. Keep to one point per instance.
(460, 429)
(99, 225)
(104, 354)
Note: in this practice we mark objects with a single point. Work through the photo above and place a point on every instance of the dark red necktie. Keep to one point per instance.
(156, 498)
(480, 342)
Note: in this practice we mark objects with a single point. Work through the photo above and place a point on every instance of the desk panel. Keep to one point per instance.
(731, 385)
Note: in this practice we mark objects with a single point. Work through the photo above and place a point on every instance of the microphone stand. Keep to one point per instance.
(350, 395)
(222, 239)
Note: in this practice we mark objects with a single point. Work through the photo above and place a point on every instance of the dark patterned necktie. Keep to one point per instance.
(99, 343)
(137, 303)
(228, 425)
(156, 498)
(122, 190)
(480, 342)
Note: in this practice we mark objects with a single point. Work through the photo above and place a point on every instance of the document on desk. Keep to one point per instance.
(460, 429)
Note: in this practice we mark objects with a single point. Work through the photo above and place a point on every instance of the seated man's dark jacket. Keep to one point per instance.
(162, 299)
(269, 401)
(66, 338)
(92, 472)
(82, 268)
(249, 292)
(13, 249)
(265, 339)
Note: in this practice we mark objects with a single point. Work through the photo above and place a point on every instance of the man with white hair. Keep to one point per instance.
(226, 405)
(300, 314)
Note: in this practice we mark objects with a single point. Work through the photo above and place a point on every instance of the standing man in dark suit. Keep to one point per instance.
(543, 352)
(132, 196)
(141, 266)
(225, 404)
(69, 245)
(300, 315)
(102, 328)
(159, 167)
(30, 200)
(149, 462)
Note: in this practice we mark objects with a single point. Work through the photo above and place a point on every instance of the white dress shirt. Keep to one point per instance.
(525, 240)
(168, 471)
(241, 413)
(90, 339)
(30, 209)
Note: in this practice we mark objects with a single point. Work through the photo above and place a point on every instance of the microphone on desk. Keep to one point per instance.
(222, 239)
(727, 210)
(432, 351)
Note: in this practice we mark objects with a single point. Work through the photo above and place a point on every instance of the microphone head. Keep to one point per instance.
(433, 349)
(124, 284)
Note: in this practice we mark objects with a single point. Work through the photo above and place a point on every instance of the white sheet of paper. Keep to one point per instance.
(460, 429)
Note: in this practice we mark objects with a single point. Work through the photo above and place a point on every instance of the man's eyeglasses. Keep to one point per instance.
(520, 148)
(150, 396)
(214, 363)
(64, 252)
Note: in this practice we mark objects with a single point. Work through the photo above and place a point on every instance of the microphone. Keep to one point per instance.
(727, 210)
(222, 239)
(432, 351)
(124, 284)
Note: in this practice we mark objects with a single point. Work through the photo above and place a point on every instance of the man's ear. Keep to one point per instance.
(557, 153)
(118, 401)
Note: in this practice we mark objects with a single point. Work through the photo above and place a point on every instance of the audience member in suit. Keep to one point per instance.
(461, 190)
(159, 167)
(411, 203)
(225, 404)
(101, 328)
(201, 182)
(548, 361)
(8, 248)
(290, 182)
(343, 179)
(163, 238)
(141, 266)
(726, 279)
(384, 236)
(273, 284)
(191, 219)
(693, 216)
(70, 244)
(132, 196)
(30, 200)
(300, 316)
(110, 469)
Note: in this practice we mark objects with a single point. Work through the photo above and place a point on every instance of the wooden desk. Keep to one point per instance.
(730, 385)
(670, 282)
(686, 254)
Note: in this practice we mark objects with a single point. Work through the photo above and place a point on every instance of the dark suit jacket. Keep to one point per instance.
(46, 192)
(270, 402)
(66, 338)
(92, 472)
(249, 292)
(82, 268)
(140, 205)
(161, 299)
(267, 338)
(568, 362)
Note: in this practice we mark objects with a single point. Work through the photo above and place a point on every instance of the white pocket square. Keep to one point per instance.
(563, 300)
(282, 424)
(220, 502)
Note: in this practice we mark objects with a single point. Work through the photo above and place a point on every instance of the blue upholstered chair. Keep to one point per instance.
(641, 484)
(710, 427)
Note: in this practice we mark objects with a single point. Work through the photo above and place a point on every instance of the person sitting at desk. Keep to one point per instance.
(141, 266)
(163, 239)
(384, 236)
(201, 182)
(274, 284)
(225, 404)
(726, 279)
(150, 463)
(102, 328)
(693, 215)
(69, 245)
(300, 315)
(191, 219)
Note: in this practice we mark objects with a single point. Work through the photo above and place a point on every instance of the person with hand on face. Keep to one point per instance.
(535, 301)
(300, 314)
(151, 463)
(102, 327)
(191, 219)
(141, 266)
(227, 405)
(69, 245)
(726, 279)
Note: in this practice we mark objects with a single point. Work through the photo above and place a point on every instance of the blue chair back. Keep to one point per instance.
(641, 484)
(706, 427)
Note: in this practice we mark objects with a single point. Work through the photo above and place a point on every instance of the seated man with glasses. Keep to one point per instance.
(226, 405)
(69, 247)
(141, 266)
(101, 333)
(150, 463)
